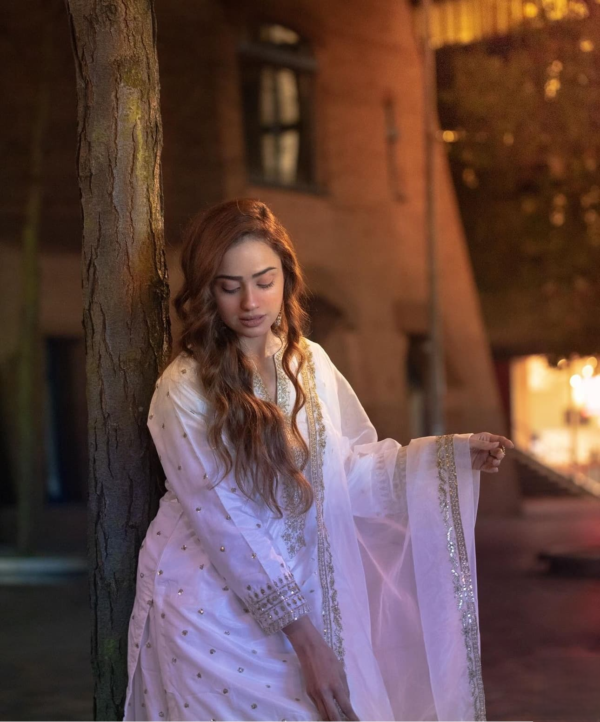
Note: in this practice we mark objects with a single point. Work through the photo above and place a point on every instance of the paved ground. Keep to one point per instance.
(540, 634)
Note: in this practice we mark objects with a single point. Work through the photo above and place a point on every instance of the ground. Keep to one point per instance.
(540, 633)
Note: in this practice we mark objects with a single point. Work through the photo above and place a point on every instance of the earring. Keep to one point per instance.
(278, 320)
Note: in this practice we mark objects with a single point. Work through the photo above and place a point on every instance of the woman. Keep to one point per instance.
(298, 568)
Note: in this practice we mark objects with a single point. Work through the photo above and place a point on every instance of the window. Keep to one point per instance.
(277, 73)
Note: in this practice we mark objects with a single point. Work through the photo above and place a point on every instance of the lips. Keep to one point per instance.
(252, 320)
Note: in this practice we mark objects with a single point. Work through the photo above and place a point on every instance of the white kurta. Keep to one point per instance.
(383, 563)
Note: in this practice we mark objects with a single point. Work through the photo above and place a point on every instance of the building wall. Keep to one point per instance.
(362, 247)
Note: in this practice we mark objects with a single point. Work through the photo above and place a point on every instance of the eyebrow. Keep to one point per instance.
(241, 278)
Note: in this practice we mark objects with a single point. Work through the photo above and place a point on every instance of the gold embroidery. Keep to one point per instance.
(332, 616)
(461, 573)
(260, 389)
(293, 534)
(278, 605)
(294, 523)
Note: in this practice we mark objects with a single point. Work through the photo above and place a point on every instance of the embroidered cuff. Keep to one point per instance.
(277, 605)
(399, 482)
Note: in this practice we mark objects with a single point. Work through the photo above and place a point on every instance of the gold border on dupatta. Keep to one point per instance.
(461, 572)
(332, 616)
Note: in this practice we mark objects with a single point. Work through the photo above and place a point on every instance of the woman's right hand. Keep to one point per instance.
(324, 675)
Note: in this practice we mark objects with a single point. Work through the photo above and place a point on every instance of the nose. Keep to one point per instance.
(248, 299)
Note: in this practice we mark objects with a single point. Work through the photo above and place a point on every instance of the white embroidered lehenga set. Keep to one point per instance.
(383, 563)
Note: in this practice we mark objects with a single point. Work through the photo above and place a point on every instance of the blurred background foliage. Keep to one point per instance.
(521, 119)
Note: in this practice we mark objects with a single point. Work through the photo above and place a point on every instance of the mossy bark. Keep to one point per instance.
(125, 306)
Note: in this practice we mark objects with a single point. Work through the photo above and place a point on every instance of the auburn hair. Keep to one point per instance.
(255, 429)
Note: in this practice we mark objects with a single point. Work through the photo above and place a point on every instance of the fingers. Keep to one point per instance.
(320, 706)
(330, 708)
(486, 440)
(343, 701)
(492, 464)
(484, 444)
(334, 706)
(502, 440)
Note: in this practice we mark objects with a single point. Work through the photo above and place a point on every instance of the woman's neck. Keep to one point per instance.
(260, 347)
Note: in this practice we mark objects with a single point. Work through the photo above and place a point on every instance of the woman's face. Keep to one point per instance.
(248, 288)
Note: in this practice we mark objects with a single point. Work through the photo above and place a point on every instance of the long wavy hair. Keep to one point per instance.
(255, 429)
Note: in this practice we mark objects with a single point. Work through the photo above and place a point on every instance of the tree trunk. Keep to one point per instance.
(125, 307)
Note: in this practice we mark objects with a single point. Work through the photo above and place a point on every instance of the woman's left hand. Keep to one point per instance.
(486, 451)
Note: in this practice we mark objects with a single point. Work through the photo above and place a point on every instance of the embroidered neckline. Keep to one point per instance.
(293, 534)
(294, 524)
(281, 391)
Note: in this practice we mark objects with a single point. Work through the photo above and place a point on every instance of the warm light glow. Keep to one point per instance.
(555, 67)
(508, 139)
(551, 88)
(555, 410)
(578, 396)
(537, 373)
(586, 46)
(450, 136)
(462, 22)
(592, 395)
(530, 10)
(578, 10)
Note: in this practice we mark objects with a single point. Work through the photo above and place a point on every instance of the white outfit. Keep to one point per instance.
(383, 563)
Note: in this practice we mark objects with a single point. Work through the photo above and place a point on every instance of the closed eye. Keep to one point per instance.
(260, 285)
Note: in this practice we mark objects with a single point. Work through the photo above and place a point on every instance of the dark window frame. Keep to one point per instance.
(253, 57)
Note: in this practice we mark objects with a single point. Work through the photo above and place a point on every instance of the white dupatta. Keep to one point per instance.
(401, 577)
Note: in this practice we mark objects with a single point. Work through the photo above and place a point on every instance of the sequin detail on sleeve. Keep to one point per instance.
(460, 569)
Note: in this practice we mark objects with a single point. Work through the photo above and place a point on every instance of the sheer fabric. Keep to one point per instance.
(383, 563)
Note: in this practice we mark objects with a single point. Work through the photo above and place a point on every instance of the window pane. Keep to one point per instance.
(277, 101)
(287, 90)
(288, 159)
(278, 34)
(268, 144)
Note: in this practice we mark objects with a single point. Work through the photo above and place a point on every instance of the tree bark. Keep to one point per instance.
(125, 307)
